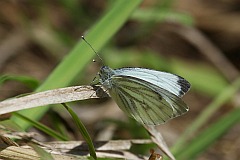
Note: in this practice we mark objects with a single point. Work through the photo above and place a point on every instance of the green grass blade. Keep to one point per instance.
(41, 152)
(146, 15)
(83, 131)
(209, 136)
(30, 82)
(9, 125)
(42, 127)
(222, 98)
(79, 57)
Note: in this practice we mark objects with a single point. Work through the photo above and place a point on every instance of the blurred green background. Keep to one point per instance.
(41, 49)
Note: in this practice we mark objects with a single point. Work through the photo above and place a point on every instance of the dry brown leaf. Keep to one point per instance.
(55, 96)
(158, 139)
(76, 149)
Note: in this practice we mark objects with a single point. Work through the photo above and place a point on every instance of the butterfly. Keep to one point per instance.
(151, 97)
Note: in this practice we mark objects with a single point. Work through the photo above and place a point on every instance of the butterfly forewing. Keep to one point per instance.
(173, 83)
(146, 102)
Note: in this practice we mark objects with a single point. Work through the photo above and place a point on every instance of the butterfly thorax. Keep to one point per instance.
(105, 75)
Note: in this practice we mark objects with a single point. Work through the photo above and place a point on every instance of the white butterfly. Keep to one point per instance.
(151, 97)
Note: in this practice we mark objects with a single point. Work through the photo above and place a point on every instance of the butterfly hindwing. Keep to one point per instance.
(146, 102)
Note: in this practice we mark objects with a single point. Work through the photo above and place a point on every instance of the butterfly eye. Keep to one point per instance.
(103, 68)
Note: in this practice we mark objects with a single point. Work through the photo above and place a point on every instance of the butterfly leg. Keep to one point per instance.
(100, 92)
(93, 81)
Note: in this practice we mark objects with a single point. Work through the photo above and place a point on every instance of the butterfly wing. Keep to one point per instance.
(146, 102)
(170, 82)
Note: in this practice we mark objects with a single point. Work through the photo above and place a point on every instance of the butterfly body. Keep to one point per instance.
(151, 97)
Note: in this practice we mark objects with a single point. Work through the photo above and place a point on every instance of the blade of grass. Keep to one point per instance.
(30, 82)
(209, 136)
(83, 131)
(78, 58)
(8, 125)
(160, 15)
(59, 126)
(222, 98)
(41, 152)
(42, 127)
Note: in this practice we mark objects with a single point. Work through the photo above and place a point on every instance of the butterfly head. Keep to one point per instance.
(105, 75)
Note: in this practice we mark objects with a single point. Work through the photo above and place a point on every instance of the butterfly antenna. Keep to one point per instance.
(92, 49)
